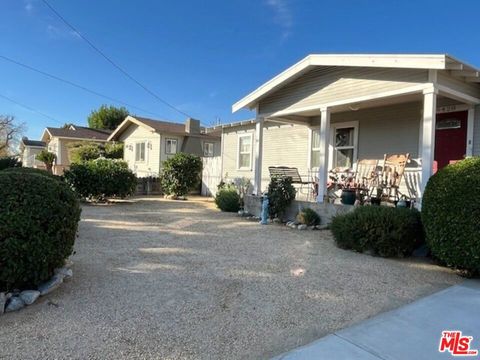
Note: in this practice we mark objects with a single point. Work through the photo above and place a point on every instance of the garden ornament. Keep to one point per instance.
(265, 203)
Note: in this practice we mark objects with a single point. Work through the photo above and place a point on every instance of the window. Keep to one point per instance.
(245, 152)
(140, 151)
(207, 149)
(344, 142)
(170, 146)
(315, 159)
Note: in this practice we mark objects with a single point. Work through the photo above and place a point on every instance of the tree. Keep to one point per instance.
(10, 132)
(47, 158)
(107, 117)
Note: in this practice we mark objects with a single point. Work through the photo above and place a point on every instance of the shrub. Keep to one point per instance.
(451, 213)
(114, 150)
(386, 231)
(101, 178)
(24, 170)
(228, 199)
(9, 162)
(84, 151)
(308, 217)
(47, 158)
(281, 193)
(181, 173)
(38, 225)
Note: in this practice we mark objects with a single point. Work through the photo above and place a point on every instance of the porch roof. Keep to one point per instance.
(405, 61)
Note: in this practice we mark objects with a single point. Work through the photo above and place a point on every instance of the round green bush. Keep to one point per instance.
(25, 170)
(451, 215)
(38, 224)
(385, 231)
(227, 199)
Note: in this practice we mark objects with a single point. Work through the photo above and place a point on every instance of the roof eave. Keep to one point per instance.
(405, 61)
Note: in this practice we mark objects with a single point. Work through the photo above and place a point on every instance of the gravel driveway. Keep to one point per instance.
(172, 279)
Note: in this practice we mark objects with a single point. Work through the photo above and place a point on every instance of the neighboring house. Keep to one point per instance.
(148, 143)
(29, 150)
(58, 139)
(328, 111)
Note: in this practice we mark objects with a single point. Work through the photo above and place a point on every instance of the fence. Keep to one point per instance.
(211, 175)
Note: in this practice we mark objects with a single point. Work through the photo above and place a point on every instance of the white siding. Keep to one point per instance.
(230, 152)
(135, 134)
(327, 84)
(386, 129)
(455, 83)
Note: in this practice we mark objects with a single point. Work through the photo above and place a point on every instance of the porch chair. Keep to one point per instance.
(291, 172)
(366, 175)
(391, 175)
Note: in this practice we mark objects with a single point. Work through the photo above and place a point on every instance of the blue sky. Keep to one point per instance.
(201, 56)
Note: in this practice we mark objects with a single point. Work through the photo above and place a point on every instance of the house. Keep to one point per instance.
(148, 142)
(333, 110)
(58, 139)
(29, 149)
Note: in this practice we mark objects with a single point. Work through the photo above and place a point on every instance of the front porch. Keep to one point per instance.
(363, 106)
(343, 135)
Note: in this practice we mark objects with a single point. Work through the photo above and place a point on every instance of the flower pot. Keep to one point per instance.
(375, 201)
(348, 196)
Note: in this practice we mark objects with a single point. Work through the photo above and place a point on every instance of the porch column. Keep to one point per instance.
(324, 142)
(257, 182)
(470, 122)
(428, 135)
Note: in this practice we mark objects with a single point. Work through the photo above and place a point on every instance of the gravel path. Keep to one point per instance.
(172, 279)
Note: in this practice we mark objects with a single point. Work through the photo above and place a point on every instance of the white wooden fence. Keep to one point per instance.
(211, 175)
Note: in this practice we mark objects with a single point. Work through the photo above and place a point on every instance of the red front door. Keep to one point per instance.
(450, 138)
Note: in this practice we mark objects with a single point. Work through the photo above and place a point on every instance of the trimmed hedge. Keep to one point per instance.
(24, 170)
(38, 226)
(228, 199)
(101, 178)
(451, 215)
(385, 231)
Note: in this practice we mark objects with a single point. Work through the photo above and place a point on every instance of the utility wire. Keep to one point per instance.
(74, 84)
(29, 108)
(124, 72)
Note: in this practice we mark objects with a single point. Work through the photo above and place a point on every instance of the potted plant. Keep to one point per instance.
(349, 190)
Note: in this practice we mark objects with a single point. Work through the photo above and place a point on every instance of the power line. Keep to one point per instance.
(112, 62)
(55, 77)
(29, 108)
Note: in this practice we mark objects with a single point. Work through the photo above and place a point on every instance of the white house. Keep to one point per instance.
(148, 143)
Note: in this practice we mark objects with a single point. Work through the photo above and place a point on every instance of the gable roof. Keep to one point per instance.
(78, 132)
(158, 126)
(405, 61)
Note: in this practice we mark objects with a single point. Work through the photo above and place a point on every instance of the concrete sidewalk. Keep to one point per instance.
(410, 332)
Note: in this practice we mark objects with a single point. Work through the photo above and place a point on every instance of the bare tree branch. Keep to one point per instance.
(10, 132)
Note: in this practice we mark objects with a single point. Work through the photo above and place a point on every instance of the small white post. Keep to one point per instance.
(324, 142)
(428, 135)
(257, 184)
(470, 122)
